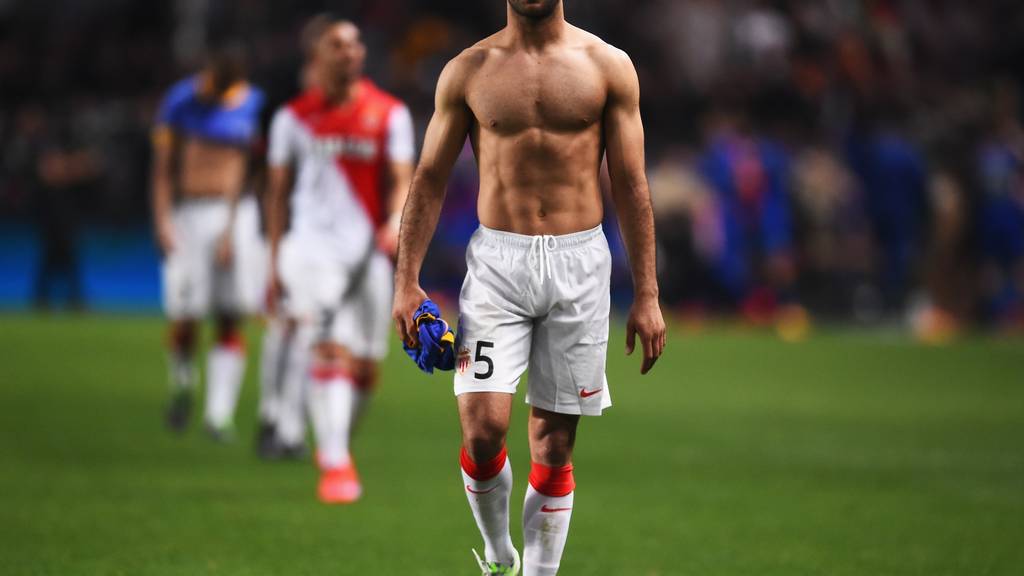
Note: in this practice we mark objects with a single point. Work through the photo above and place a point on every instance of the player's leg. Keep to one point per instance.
(182, 336)
(547, 509)
(331, 395)
(184, 277)
(567, 379)
(486, 469)
(272, 365)
(493, 345)
(225, 369)
(292, 380)
(365, 328)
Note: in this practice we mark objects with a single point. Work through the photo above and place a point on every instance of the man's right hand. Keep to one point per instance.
(275, 291)
(166, 238)
(407, 299)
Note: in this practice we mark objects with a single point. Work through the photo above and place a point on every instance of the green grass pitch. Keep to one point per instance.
(849, 454)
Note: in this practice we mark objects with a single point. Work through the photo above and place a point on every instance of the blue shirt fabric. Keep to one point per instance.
(233, 121)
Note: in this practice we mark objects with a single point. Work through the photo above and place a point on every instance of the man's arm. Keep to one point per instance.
(445, 137)
(275, 203)
(162, 184)
(624, 146)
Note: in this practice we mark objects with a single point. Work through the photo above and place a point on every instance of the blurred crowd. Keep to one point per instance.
(852, 159)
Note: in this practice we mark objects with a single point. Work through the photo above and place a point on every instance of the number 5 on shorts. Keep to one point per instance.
(479, 357)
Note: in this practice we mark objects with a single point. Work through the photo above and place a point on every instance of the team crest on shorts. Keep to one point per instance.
(462, 361)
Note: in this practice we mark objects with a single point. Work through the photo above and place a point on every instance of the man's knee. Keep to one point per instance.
(182, 335)
(227, 328)
(332, 352)
(484, 439)
(364, 374)
(552, 437)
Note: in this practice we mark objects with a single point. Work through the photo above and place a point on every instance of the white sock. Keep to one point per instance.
(224, 371)
(330, 396)
(291, 408)
(546, 523)
(273, 361)
(291, 414)
(488, 499)
(181, 371)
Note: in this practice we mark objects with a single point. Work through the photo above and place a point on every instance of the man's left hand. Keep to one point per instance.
(645, 321)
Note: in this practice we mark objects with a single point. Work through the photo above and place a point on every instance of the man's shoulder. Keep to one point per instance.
(180, 95)
(605, 55)
(470, 59)
(460, 70)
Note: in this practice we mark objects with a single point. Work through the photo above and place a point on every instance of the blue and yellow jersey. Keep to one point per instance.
(233, 121)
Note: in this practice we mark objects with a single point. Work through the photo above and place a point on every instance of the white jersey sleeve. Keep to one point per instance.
(401, 146)
(281, 150)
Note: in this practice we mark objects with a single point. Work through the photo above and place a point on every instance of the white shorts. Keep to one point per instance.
(350, 303)
(250, 257)
(539, 303)
(193, 284)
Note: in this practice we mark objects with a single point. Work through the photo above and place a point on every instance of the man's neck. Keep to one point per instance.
(537, 33)
(340, 92)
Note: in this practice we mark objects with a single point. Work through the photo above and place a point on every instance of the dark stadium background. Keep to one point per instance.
(839, 193)
(860, 159)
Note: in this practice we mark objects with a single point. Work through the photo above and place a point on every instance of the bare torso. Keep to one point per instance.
(543, 103)
(537, 132)
(210, 170)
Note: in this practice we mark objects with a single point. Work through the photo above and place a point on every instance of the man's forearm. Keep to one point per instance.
(274, 211)
(636, 221)
(161, 198)
(419, 220)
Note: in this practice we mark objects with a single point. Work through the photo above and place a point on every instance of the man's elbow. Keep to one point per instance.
(632, 188)
(428, 180)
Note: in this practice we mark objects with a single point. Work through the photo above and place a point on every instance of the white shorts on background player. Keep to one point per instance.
(193, 284)
(539, 303)
(349, 302)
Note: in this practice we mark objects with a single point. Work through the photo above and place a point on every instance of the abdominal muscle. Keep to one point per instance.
(537, 182)
(210, 170)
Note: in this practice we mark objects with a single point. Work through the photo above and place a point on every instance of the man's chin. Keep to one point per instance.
(534, 10)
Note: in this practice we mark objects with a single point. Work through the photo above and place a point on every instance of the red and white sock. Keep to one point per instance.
(488, 485)
(225, 367)
(331, 405)
(546, 514)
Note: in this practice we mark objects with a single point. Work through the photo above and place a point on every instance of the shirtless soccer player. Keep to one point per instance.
(344, 149)
(542, 103)
(208, 233)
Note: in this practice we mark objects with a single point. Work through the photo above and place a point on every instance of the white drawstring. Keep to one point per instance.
(540, 254)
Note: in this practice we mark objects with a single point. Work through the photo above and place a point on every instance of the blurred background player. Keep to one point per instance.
(204, 131)
(277, 393)
(345, 149)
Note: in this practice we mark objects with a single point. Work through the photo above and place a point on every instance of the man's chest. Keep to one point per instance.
(552, 93)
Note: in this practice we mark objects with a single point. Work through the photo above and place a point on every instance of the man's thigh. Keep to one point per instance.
(187, 271)
(484, 417)
(364, 323)
(314, 283)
